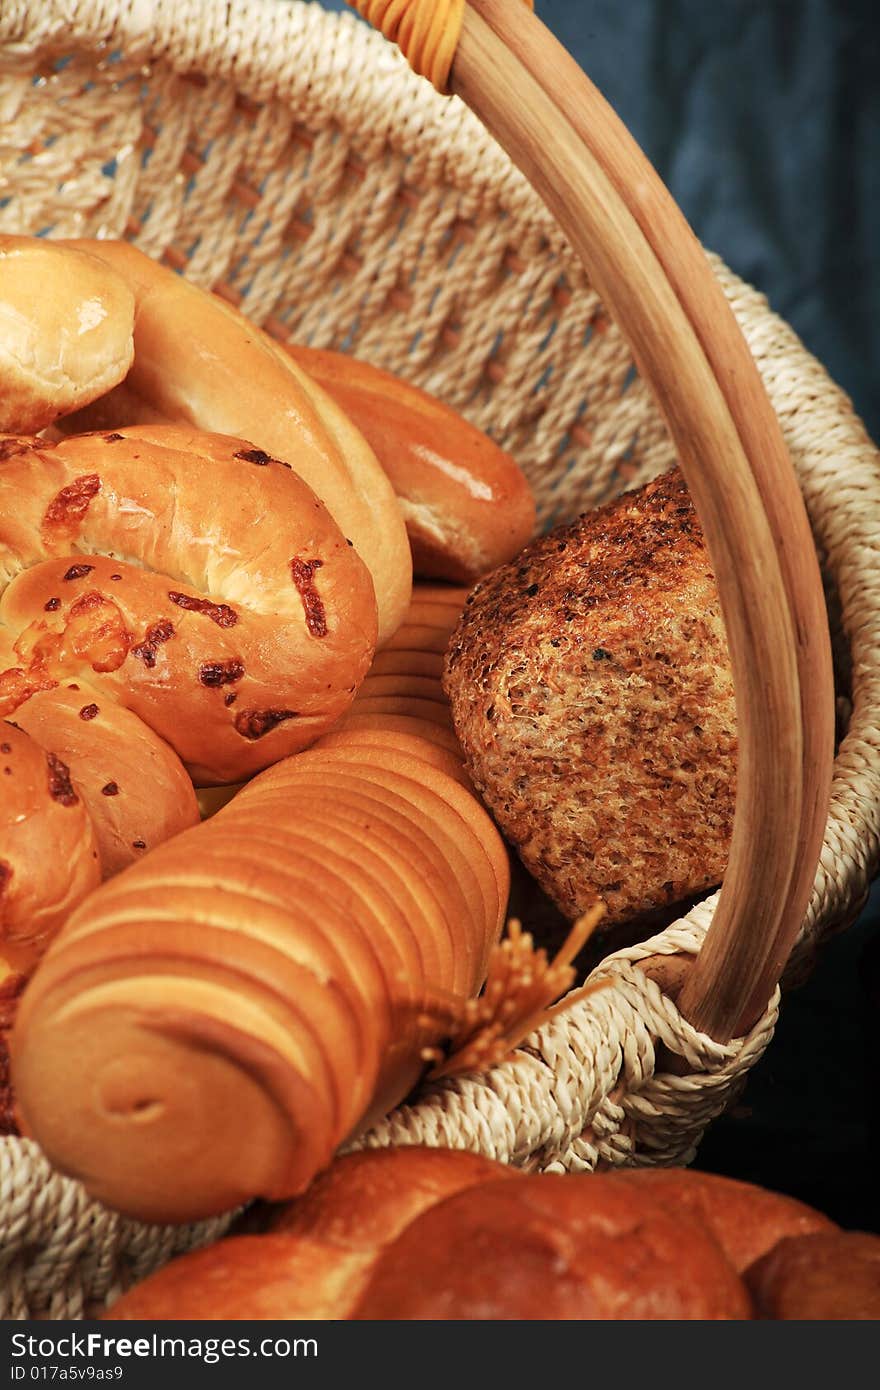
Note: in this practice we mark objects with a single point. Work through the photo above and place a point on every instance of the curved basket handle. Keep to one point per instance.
(649, 269)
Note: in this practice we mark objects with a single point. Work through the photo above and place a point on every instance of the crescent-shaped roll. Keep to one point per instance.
(190, 577)
(65, 331)
(198, 361)
(212, 1024)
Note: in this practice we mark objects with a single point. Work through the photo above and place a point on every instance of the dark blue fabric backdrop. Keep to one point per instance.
(763, 117)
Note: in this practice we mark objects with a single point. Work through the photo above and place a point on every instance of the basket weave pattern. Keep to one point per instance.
(288, 159)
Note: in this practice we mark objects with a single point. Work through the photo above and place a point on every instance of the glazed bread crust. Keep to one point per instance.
(66, 327)
(830, 1275)
(320, 1250)
(592, 694)
(199, 362)
(568, 1248)
(132, 783)
(48, 849)
(466, 504)
(198, 582)
(436, 1234)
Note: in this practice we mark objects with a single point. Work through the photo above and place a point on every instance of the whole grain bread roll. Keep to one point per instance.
(592, 694)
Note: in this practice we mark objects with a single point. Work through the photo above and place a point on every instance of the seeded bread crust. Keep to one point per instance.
(591, 690)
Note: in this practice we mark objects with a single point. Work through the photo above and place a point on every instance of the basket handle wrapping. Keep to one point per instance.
(650, 270)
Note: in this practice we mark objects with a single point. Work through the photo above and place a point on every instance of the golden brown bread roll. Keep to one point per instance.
(213, 1023)
(746, 1220)
(48, 849)
(553, 1247)
(832, 1276)
(124, 791)
(466, 505)
(132, 784)
(322, 1247)
(412, 1233)
(592, 694)
(65, 331)
(147, 560)
(49, 861)
(199, 362)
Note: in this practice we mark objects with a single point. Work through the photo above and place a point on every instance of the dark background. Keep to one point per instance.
(763, 118)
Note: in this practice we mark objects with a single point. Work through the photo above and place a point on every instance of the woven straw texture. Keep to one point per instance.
(288, 159)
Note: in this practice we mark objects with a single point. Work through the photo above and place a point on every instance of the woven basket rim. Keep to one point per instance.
(466, 157)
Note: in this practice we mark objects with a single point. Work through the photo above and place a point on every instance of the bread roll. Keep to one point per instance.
(48, 849)
(199, 362)
(429, 1234)
(65, 331)
(466, 505)
(132, 784)
(49, 861)
(829, 1277)
(746, 1220)
(592, 694)
(553, 1248)
(322, 1247)
(205, 589)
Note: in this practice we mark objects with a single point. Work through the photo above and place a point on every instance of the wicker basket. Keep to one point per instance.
(288, 159)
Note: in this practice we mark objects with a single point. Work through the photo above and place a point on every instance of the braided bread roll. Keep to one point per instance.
(212, 1024)
(435, 1234)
